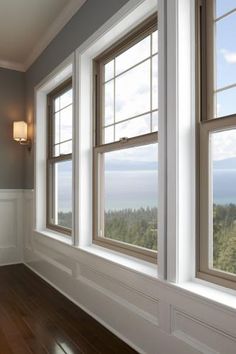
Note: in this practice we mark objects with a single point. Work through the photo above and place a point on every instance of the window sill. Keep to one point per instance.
(214, 293)
(125, 261)
(55, 236)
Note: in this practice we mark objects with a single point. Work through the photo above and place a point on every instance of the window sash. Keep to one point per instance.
(145, 29)
(207, 124)
(52, 160)
(130, 249)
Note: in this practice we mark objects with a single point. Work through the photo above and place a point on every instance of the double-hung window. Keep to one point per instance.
(59, 161)
(217, 141)
(126, 144)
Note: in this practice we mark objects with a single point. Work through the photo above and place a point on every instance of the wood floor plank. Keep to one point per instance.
(36, 319)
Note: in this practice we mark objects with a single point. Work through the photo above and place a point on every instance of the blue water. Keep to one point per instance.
(224, 186)
(136, 189)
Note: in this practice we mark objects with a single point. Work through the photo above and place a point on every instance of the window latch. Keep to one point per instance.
(123, 140)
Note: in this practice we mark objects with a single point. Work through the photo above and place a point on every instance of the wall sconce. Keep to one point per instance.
(20, 134)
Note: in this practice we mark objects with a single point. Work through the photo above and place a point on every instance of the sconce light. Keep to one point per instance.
(20, 133)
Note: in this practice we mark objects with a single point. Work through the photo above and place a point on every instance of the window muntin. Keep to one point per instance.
(59, 162)
(220, 39)
(126, 137)
(217, 141)
(128, 85)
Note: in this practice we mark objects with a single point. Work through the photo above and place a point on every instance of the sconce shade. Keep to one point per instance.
(20, 131)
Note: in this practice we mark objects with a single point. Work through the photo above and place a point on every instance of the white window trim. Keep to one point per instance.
(176, 151)
(131, 15)
(64, 71)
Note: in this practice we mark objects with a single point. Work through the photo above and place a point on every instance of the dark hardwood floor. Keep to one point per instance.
(35, 318)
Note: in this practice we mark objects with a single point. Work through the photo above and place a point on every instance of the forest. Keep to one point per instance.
(134, 226)
(139, 227)
(224, 237)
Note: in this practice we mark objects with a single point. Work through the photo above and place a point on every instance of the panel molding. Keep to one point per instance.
(11, 225)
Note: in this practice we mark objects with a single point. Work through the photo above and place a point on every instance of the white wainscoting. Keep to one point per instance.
(152, 316)
(11, 225)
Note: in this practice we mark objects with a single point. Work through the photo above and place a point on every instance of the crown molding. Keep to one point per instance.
(64, 17)
(4, 64)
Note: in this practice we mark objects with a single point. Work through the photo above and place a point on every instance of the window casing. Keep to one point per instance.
(59, 159)
(120, 131)
(216, 140)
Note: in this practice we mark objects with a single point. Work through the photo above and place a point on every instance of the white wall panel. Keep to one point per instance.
(11, 224)
(152, 316)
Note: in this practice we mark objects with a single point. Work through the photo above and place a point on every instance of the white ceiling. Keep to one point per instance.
(28, 26)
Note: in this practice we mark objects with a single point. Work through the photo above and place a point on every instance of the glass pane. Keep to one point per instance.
(66, 124)
(133, 127)
(66, 148)
(57, 128)
(63, 194)
(154, 42)
(155, 82)
(226, 102)
(133, 92)
(66, 99)
(133, 55)
(109, 70)
(226, 51)
(109, 134)
(56, 150)
(62, 149)
(130, 198)
(224, 6)
(109, 102)
(57, 104)
(223, 155)
(155, 121)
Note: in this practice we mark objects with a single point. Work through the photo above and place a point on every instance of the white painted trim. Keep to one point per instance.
(54, 79)
(128, 17)
(57, 25)
(111, 329)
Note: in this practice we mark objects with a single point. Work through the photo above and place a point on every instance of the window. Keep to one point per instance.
(217, 152)
(126, 144)
(59, 162)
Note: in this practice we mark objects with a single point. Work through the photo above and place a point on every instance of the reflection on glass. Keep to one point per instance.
(154, 42)
(66, 124)
(226, 51)
(109, 102)
(66, 99)
(133, 55)
(223, 155)
(224, 6)
(56, 135)
(154, 82)
(66, 148)
(155, 121)
(109, 70)
(63, 194)
(62, 149)
(62, 101)
(226, 102)
(133, 127)
(133, 92)
(131, 179)
(109, 134)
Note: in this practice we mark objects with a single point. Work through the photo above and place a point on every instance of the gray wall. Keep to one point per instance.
(84, 23)
(12, 107)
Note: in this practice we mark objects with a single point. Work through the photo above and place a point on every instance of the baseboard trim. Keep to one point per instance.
(85, 309)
